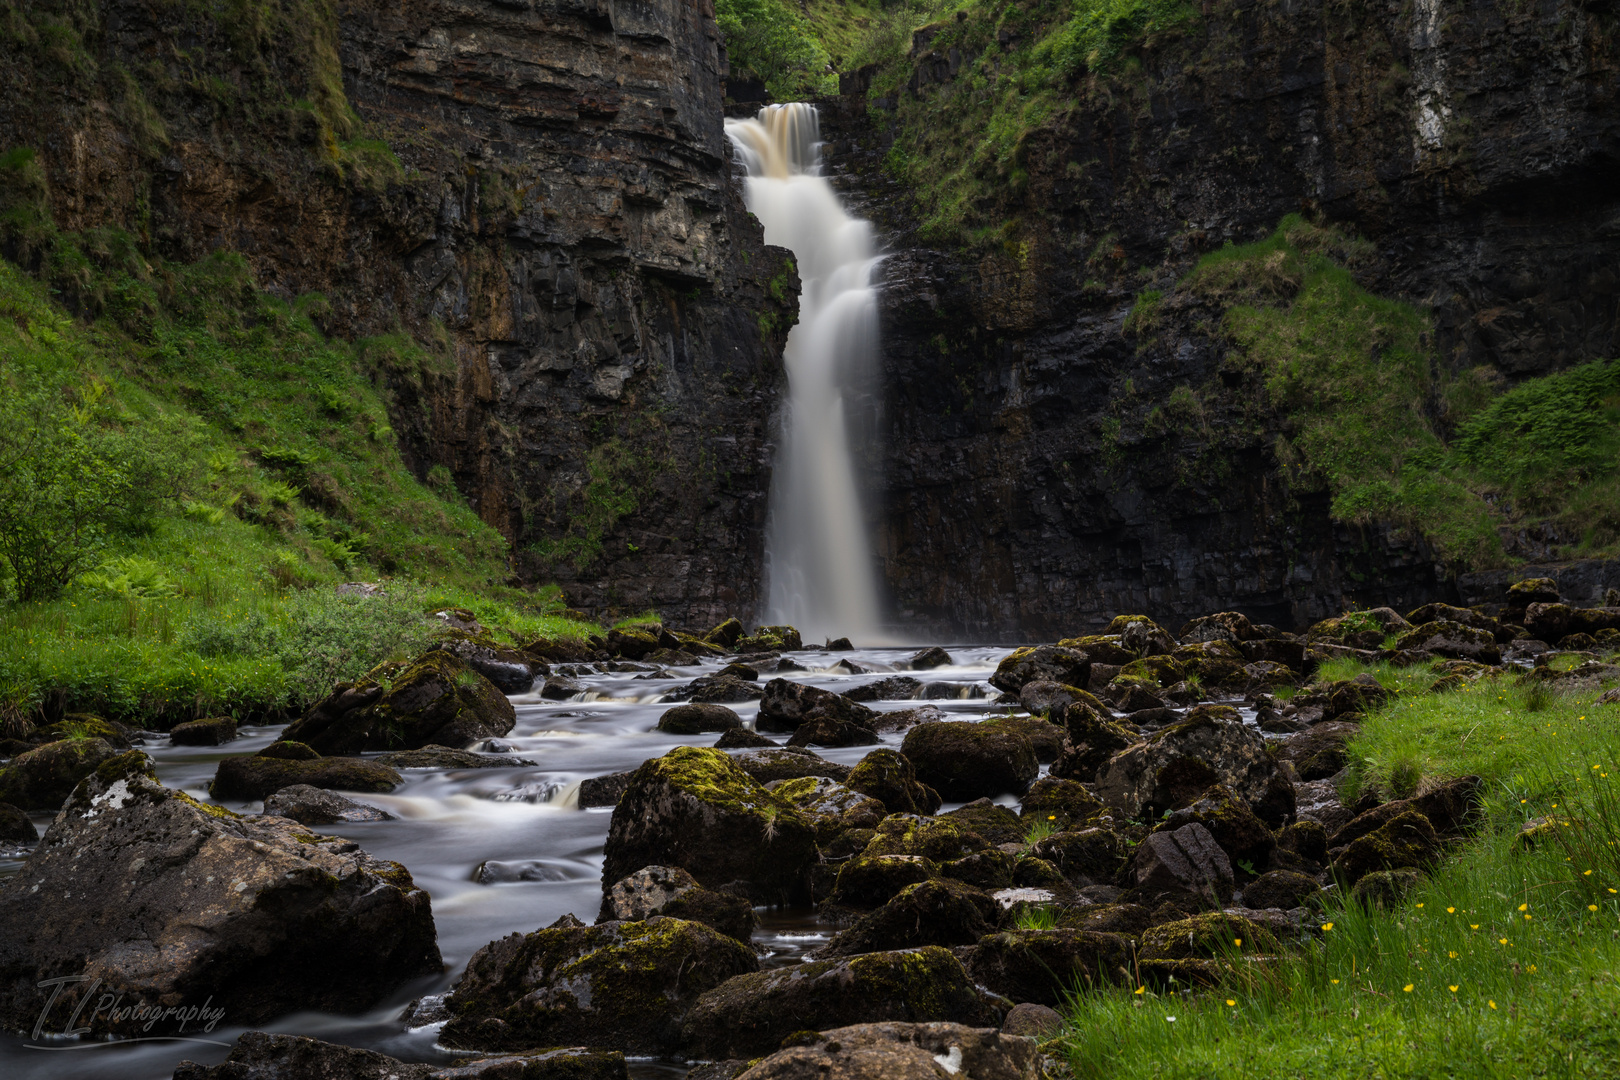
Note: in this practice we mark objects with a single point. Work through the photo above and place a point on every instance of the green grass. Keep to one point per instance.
(1457, 981)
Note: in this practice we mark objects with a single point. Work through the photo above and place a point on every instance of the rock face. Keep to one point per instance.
(436, 698)
(254, 913)
(751, 1014)
(621, 984)
(896, 1051)
(562, 230)
(695, 809)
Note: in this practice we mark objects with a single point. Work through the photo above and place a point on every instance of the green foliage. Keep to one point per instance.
(771, 40)
(618, 477)
(1035, 917)
(1101, 30)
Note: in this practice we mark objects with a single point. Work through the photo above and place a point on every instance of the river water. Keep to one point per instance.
(450, 822)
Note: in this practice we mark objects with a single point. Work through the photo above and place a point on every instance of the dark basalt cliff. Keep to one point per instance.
(554, 215)
(1021, 492)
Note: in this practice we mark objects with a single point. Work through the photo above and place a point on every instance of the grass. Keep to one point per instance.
(1501, 964)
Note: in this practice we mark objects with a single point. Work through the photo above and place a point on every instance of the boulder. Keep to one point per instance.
(1283, 889)
(43, 778)
(254, 916)
(1091, 739)
(621, 984)
(716, 690)
(1044, 966)
(1385, 888)
(436, 698)
(672, 892)
(1141, 635)
(989, 869)
(1043, 697)
(697, 718)
(751, 1014)
(832, 731)
(1453, 640)
(940, 839)
(212, 731)
(603, 790)
(254, 777)
(1049, 663)
(829, 806)
(1184, 866)
(872, 880)
(963, 760)
(994, 822)
(561, 688)
(1090, 856)
(770, 639)
(1235, 827)
(1107, 918)
(259, 1055)
(1228, 626)
(1319, 751)
(637, 642)
(1063, 803)
(741, 739)
(89, 726)
(309, 805)
(1452, 809)
(1174, 767)
(726, 634)
(786, 705)
(1034, 873)
(899, 1051)
(443, 757)
(15, 827)
(906, 719)
(1209, 935)
(893, 688)
(1407, 841)
(1032, 1021)
(1044, 736)
(929, 659)
(696, 809)
(510, 670)
(888, 776)
(788, 763)
(936, 912)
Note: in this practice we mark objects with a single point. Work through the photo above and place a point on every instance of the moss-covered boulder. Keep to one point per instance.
(1407, 841)
(872, 880)
(672, 892)
(1235, 827)
(1045, 737)
(1162, 670)
(622, 984)
(1227, 626)
(1060, 803)
(1305, 838)
(1211, 934)
(246, 778)
(726, 634)
(1142, 636)
(1279, 889)
(1043, 698)
(897, 1051)
(1104, 650)
(1050, 663)
(1185, 867)
(210, 731)
(44, 777)
(1174, 767)
(786, 705)
(1127, 919)
(436, 698)
(722, 689)
(1320, 751)
(260, 1055)
(995, 823)
(741, 739)
(830, 807)
(638, 641)
(1453, 640)
(1217, 664)
(1385, 888)
(769, 639)
(1043, 966)
(1091, 740)
(889, 777)
(696, 809)
(15, 827)
(771, 763)
(511, 670)
(163, 899)
(698, 718)
(1088, 856)
(963, 760)
(988, 869)
(89, 726)
(1452, 808)
(833, 731)
(751, 1014)
(936, 912)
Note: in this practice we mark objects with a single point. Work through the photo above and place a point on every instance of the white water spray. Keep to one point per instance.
(818, 561)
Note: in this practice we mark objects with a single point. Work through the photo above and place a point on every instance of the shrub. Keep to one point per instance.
(772, 40)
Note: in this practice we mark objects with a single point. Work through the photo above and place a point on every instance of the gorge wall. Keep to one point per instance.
(1029, 488)
(540, 194)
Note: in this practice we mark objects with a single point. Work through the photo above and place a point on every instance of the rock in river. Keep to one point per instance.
(894, 1051)
(259, 1055)
(278, 766)
(253, 913)
(45, 776)
(309, 805)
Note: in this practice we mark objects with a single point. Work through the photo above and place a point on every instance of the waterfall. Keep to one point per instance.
(819, 575)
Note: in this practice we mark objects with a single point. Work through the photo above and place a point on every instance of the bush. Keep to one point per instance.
(771, 40)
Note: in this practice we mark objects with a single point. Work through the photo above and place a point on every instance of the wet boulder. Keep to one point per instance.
(1235, 827)
(770, 639)
(937, 912)
(741, 739)
(1048, 663)
(988, 869)
(892, 688)
(43, 778)
(889, 777)
(719, 689)
(443, 757)
(672, 892)
(436, 698)
(963, 760)
(832, 731)
(1062, 803)
(639, 641)
(929, 659)
(561, 688)
(1174, 767)
(622, 984)
(696, 809)
(309, 805)
(768, 764)
(1042, 698)
(1279, 889)
(1186, 866)
(260, 1055)
(211, 731)
(1142, 636)
(726, 634)
(697, 718)
(1043, 966)
(254, 777)
(830, 807)
(871, 880)
(1091, 739)
(751, 1014)
(1407, 841)
(603, 790)
(901, 1051)
(510, 670)
(786, 705)
(1045, 737)
(252, 913)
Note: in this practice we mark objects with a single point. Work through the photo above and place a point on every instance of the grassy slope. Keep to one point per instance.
(1461, 980)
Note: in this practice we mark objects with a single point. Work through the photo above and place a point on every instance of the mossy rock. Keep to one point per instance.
(769, 639)
(1159, 670)
(246, 778)
(695, 808)
(1090, 856)
(1035, 873)
(1407, 841)
(15, 826)
(1128, 919)
(768, 764)
(1045, 737)
(1051, 663)
(212, 731)
(1209, 935)
(1174, 767)
(624, 984)
(1231, 821)
(1283, 889)
(289, 750)
(636, 642)
(90, 726)
(44, 777)
(963, 760)
(939, 838)
(1092, 740)
(1541, 590)
(1385, 888)
(691, 643)
(988, 869)
(889, 777)
(936, 912)
(1306, 838)
(868, 881)
(751, 1014)
(831, 807)
(995, 823)
(1045, 966)
(1223, 626)
(1059, 802)
(1142, 636)
(726, 634)
(436, 698)
(697, 718)
(1102, 649)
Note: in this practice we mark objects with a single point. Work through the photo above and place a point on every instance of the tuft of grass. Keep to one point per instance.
(1035, 917)
(1039, 830)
